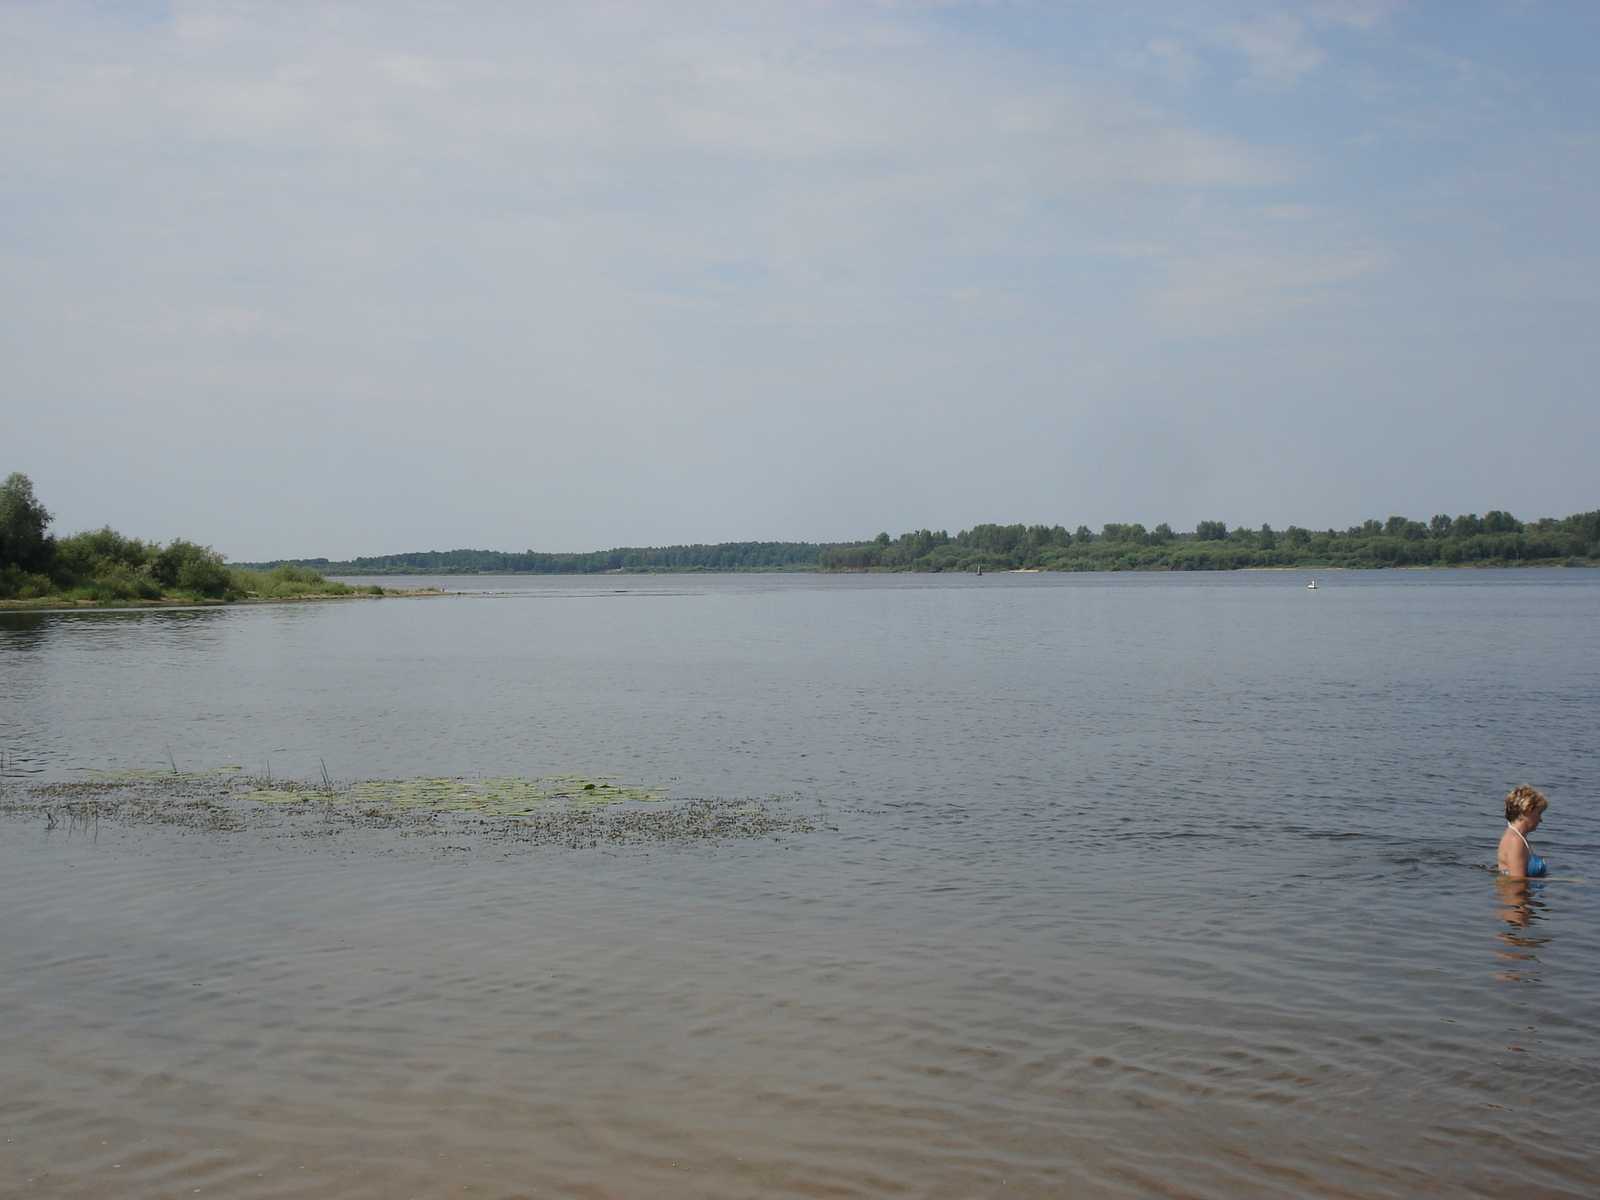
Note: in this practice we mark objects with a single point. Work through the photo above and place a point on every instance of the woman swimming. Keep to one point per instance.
(1524, 810)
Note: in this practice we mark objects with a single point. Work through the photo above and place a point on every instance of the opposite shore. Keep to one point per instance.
(102, 568)
(1496, 539)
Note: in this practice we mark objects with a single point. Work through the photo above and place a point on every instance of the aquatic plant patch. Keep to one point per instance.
(575, 811)
(280, 796)
(138, 774)
(503, 796)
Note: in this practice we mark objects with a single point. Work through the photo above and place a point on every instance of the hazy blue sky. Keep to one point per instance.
(299, 279)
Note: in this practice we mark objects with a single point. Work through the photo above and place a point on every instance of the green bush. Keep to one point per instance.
(119, 582)
(103, 566)
(83, 555)
(285, 581)
(193, 568)
(17, 584)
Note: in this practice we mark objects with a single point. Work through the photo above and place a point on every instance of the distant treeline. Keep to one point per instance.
(1495, 540)
(727, 556)
(103, 566)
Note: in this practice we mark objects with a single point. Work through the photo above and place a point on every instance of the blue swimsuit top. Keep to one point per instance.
(1536, 865)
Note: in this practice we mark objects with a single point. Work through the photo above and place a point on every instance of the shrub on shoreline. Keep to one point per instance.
(284, 582)
(101, 566)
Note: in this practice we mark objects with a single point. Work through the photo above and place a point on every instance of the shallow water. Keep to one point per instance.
(1134, 885)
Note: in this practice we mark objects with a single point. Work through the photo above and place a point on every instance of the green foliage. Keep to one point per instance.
(286, 581)
(98, 550)
(191, 568)
(104, 567)
(726, 556)
(116, 583)
(15, 583)
(24, 542)
(1497, 539)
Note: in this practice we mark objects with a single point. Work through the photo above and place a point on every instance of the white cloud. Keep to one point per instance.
(1276, 46)
(1363, 15)
(732, 243)
(340, 146)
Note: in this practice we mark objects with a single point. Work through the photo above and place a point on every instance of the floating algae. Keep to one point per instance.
(280, 796)
(502, 796)
(574, 811)
(140, 774)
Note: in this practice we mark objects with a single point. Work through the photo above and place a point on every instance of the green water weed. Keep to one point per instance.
(571, 811)
(137, 773)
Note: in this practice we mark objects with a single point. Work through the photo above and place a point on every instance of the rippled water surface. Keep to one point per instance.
(1133, 885)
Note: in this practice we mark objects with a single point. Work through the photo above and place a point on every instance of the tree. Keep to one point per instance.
(23, 521)
(192, 567)
(1211, 531)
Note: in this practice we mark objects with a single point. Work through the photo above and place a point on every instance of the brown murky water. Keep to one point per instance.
(1102, 889)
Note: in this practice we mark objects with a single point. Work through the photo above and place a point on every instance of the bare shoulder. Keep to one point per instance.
(1513, 854)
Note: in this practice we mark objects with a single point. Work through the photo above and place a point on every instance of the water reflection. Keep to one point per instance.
(1521, 907)
(21, 625)
(1098, 919)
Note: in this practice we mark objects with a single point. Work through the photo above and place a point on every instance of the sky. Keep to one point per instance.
(331, 279)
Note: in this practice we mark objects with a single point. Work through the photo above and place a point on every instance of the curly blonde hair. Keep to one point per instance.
(1522, 800)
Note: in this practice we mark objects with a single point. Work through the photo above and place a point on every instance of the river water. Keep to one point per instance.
(1115, 886)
